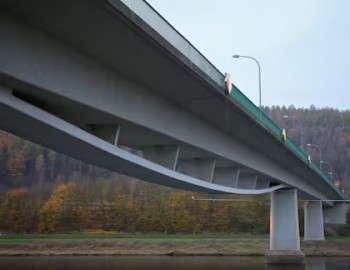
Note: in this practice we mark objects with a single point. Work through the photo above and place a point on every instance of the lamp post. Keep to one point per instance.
(256, 61)
(330, 166)
(319, 149)
(301, 130)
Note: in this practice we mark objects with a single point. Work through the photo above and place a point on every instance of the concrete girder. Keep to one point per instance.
(247, 181)
(202, 168)
(44, 128)
(165, 155)
(138, 137)
(226, 176)
(109, 133)
(262, 183)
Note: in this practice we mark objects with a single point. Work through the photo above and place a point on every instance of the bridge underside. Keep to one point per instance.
(159, 164)
(106, 74)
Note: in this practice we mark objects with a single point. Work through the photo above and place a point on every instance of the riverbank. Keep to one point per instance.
(171, 246)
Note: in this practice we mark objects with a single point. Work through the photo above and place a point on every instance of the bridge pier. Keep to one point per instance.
(284, 229)
(313, 225)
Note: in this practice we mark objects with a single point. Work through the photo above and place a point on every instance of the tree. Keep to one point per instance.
(60, 210)
(17, 211)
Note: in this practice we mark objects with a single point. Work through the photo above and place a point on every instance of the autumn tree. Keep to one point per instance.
(17, 211)
(60, 210)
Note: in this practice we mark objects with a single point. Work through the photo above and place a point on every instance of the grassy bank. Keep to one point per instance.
(158, 245)
(122, 236)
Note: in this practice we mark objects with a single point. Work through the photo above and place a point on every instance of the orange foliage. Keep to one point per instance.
(55, 208)
(18, 192)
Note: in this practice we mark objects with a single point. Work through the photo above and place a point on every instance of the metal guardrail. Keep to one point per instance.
(259, 115)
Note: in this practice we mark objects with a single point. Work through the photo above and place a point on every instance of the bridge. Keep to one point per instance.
(112, 83)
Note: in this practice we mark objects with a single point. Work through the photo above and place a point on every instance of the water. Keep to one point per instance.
(162, 262)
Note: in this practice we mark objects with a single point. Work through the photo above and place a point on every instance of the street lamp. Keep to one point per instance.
(319, 149)
(330, 165)
(256, 61)
(301, 130)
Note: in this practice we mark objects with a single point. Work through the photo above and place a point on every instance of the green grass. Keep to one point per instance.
(338, 238)
(70, 237)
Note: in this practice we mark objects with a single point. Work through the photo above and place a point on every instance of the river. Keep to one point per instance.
(161, 262)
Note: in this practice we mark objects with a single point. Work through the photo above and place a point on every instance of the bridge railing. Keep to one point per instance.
(260, 116)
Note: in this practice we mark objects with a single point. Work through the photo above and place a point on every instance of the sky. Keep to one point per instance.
(303, 46)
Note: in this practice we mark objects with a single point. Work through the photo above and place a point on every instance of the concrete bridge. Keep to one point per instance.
(111, 83)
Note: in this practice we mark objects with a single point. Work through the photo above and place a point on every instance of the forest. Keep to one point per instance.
(42, 191)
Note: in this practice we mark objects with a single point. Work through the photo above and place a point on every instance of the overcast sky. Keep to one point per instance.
(303, 46)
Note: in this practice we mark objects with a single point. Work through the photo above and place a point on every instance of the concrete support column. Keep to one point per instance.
(284, 228)
(284, 223)
(313, 225)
